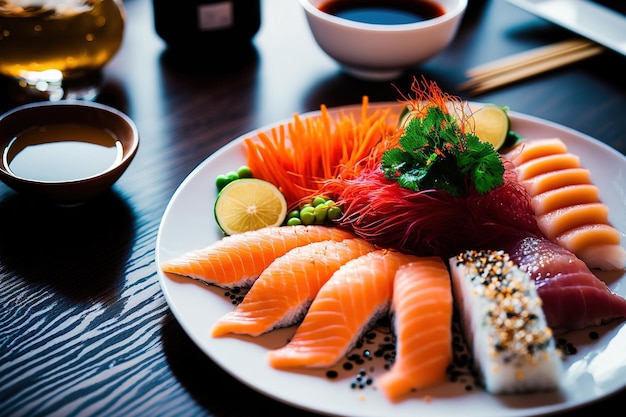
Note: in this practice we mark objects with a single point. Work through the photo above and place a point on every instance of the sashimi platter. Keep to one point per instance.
(455, 275)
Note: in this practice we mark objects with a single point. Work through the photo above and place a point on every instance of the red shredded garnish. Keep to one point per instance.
(432, 222)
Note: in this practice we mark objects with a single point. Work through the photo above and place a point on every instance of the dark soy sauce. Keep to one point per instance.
(383, 12)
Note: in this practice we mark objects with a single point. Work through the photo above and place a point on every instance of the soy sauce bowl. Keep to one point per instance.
(66, 152)
(382, 51)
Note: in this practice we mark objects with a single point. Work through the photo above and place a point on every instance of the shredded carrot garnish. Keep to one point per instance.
(301, 155)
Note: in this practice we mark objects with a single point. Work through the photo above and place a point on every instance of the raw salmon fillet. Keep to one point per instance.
(556, 179)
(237, 260)
(346, 306)
(556, 222)
(592, 234)
(566, 204)
(421, 308)
(284, 291)
(559, 198)
(535, 149)
(548, 163)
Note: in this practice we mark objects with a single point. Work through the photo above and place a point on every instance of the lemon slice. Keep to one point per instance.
(492, 124)
(249, 204)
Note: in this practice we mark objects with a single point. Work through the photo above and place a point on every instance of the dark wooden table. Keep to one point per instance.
(84, 326)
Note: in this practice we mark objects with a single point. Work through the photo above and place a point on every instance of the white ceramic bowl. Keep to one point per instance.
(98, 120)
(381, 52)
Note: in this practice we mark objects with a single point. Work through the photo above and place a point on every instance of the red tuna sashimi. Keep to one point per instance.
(573, 297)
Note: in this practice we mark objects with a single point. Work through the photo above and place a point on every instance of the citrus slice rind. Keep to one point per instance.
(249, 204)
(404, 115)
(492, 124)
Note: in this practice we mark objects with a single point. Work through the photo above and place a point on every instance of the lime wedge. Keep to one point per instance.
(492, 124)
(404, 114)
(249, 204)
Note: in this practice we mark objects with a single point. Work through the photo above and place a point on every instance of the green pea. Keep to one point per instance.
(221, 181)
(293, 214)
(244, 172)
(232, 176)
(307, 215)
(318, 200)
(294, 221)
(334, 213)
(321, 211)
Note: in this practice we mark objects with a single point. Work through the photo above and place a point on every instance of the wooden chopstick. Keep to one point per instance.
(527, 64)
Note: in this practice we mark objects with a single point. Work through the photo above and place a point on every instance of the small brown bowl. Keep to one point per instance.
(59, 135)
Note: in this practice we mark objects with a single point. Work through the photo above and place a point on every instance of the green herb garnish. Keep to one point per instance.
(435, 153)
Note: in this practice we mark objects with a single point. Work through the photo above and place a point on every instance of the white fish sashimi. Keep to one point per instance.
(503, 321)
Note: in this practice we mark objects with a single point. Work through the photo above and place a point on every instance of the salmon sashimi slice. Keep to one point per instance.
(237, 260)
(593, 235)
(573, 297)
(347, 305)
(556, 222)
(556, 179)
(604, 257)
(284, 291)
(565, 196)
(421, 308)
(566, 205)
(532, 149)
(548, 163)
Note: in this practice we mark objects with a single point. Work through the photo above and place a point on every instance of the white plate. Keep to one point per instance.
(597, 370)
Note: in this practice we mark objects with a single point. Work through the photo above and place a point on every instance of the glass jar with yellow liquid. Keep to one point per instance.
(55, 49)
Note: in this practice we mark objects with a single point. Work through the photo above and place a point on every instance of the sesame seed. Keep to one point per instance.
(512, 310)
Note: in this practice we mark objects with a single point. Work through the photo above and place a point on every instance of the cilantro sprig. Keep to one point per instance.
(435, 153)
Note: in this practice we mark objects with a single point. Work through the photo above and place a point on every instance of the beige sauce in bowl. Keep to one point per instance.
(62, 152)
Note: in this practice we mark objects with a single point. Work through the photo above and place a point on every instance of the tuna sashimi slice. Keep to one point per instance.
(578, 300)
(285, 289)
(237, 260)
(346, 306)
(573, 297)
(421, 309)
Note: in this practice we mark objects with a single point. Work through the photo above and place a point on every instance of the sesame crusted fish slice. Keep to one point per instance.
(504, 324)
